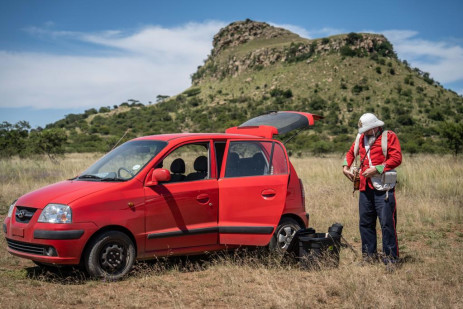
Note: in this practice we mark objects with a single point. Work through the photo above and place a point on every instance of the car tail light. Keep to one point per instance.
(302, 193)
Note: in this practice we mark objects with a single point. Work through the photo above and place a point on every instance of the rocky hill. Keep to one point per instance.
(274, 48)
(255, 67)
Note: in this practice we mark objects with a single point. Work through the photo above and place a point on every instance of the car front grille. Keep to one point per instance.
(27, 247)
(24, 214)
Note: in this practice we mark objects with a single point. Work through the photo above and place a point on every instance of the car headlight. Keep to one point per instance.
(56, 213)
(10, 211)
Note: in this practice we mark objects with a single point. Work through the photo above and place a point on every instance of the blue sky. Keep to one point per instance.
(61, 57)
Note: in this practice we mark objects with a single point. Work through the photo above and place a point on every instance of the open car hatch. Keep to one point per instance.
(274, 123)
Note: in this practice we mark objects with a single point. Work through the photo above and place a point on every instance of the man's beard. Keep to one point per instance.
(371, 139)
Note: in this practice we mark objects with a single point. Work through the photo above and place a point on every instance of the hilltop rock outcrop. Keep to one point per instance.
(296, 49)
(241, 32)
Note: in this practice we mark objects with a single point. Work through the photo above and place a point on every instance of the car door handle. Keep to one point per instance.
(268, 193)
(202, 198)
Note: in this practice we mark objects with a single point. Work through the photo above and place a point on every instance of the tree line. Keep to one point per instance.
(19, 139)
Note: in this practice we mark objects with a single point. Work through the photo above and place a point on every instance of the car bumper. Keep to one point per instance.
(48, 243)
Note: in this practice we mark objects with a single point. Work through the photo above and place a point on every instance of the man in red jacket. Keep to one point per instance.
(374, 203)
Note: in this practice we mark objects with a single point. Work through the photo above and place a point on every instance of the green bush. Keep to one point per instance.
(276, 92)
(405, 120)
(385, 49)
(453, 133)
(317, 103)
(347, 51)
(192, 92)
(436, 114)
(357, 89)
(353, 37)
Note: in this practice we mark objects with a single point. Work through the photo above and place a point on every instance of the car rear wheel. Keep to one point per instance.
(110, 255)
(283, 235)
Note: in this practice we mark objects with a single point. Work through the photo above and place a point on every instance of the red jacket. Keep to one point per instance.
(393, 159)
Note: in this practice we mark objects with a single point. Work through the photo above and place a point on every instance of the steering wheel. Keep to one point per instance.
(123, 169)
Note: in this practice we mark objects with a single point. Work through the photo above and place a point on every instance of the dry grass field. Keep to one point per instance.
(430, 230)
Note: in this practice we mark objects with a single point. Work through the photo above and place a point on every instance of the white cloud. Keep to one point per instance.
(442, 59)
(325, 32)
(141, 65)
(309, 34)
(157, 60)
(302, 32)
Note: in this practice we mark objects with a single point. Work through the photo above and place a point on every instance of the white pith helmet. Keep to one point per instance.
(369, 121)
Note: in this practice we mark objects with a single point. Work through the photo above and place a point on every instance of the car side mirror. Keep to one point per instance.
(158, 175)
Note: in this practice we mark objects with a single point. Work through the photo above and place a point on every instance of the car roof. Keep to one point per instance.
(193, 136)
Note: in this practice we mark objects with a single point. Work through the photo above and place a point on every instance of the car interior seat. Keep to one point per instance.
(177, 169)
(259, 165)
(200, 166)
(232, 169)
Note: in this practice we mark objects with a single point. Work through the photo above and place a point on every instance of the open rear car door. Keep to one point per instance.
(254, 179)
(274, 123)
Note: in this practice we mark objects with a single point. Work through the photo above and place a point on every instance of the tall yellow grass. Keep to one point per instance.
(430, 229)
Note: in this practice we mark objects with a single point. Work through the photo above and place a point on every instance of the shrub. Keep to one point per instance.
(385, 49)
(358, 88)
(91, 111)
(405, 120)
(347, 51)
(321, 147)
(317, 103)
(192, 92)
(353, 37)
(428, 79)
(436, 115)
(453, 133)
(276, 92)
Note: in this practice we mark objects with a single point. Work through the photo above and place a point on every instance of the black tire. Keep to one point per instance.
(283, 235)
(110, 255)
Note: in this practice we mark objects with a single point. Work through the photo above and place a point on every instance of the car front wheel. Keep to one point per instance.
(110, 255)
(283, 235)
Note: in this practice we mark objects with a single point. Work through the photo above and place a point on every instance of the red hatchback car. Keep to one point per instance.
(172, 194)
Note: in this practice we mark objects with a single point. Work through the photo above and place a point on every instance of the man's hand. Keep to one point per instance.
(348, 173)
(369, 172)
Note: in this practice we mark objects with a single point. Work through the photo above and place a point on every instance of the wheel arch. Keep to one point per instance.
(105, 229)
(294, 217)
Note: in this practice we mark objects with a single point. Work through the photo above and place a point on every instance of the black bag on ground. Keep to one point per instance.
(312, 250)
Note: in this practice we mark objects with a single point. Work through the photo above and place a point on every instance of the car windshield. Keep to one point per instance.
(124, 162)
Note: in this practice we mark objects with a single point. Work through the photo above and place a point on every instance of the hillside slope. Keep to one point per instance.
(254, 67)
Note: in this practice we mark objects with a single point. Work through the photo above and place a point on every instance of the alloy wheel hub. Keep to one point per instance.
(285, 236)
(112, 257)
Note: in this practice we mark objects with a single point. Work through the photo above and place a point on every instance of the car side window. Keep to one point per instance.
(279, 165)
(188, 162)
(247, 159)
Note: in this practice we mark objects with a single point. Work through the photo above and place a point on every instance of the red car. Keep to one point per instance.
(172, 194)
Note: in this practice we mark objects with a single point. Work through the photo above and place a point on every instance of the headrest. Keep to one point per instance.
(258, 157)
(200, 164)
(178, 166)
(233, 157)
